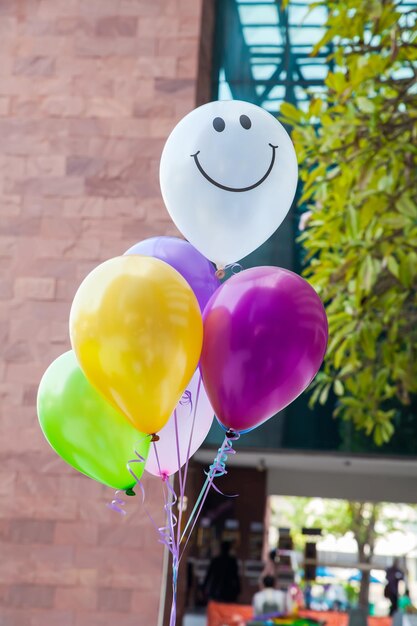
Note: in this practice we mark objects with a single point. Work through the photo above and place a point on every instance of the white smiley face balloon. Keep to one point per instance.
(228, 177)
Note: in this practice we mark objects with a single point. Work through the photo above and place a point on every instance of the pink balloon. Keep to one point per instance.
(194, 400)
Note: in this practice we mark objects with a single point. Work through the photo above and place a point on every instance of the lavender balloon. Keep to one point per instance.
(265, 337)
(183, 257)
(194, 417)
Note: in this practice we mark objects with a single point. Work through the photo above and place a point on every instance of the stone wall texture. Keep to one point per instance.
(89, 90)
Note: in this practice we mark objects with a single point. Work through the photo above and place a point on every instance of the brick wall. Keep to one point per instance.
(89, 90)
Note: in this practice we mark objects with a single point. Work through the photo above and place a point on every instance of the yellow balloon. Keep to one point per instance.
(136, 328)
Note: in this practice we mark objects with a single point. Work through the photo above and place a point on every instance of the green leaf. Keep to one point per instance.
(367, 273)
(393, 266)
(328, 36)
(324, 394)
(352, 218)
(405, 272)
(347, 369)
(290, 112)
(315, 107)
(338, 387)
(353, 402)
(385, 183)
(314, 396)
(394, 220)
(365, 104)
(336, 81)
(340, 353)
(368, 343)
(378, 436)
(407, 206)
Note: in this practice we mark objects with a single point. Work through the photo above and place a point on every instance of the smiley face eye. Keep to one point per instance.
(245, 122)
(218, 124)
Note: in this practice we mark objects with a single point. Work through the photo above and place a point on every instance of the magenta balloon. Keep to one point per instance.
(193, 400)
(265, 337)
(199, 273)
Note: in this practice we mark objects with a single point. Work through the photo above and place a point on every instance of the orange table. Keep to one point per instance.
(238, 614)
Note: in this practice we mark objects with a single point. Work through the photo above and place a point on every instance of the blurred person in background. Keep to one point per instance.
(222, 583)
(270, 567)
(336, 597)
(393, 574)
(404, 602)
(269, 601)
(308, 594)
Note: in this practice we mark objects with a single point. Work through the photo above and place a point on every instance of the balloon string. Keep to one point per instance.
(118, 502)
(139, 459)
(186, 399)
(180, 477)
(161, 473)
(192, 429)
(173, 616)
(216, 469)
(177, 441)
(161, 531)
(184, 478)
(175, 557)
(168, 531)
(165, 533)
(168, 534)
(172, 521)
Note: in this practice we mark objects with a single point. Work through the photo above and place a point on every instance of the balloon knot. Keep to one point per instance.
(154, 437)
(232, 434)
(130, 492)
(220, 273)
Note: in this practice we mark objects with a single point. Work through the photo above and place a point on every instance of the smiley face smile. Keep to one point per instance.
(236, 189)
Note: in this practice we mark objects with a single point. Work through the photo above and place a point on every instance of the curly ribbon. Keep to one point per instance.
(235, 268)
(118, 502)
(216, 469)
(187, 398)
(173, 547)
(182, 477)
(141, 460)
(170, 503)
(167, 532)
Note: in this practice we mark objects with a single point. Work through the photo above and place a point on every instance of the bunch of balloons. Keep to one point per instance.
(159, 345)
(136, 331)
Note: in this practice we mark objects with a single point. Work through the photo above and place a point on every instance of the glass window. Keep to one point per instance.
(263, 51)
(262, 55)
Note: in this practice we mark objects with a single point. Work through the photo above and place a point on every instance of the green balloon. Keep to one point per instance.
(86, 431)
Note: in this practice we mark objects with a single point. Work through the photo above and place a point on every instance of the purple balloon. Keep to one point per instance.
(183, 257)
(265, 337)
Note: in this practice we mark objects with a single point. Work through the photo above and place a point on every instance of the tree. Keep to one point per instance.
(367, 521)
(358, 161)
(361, 519)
